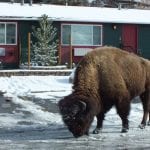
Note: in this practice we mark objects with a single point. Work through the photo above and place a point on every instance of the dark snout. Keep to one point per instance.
(77, 134)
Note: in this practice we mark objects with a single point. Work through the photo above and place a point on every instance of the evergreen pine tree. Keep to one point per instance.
(45, 47)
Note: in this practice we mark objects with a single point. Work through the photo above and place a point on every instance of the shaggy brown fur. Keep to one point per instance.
(105, 77)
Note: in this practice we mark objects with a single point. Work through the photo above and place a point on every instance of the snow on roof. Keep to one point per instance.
(16, 11)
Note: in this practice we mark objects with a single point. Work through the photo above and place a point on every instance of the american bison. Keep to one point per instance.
(104, 78)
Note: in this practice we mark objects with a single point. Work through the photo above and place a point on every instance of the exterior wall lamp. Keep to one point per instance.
(114, 26)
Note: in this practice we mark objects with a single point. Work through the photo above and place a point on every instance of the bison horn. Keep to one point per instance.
(76, 109)
(83, 105)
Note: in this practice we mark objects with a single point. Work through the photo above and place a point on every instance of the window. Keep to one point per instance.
(66, 34)
(2, 33)
(81, 35)
(8, 33)
(78, 34)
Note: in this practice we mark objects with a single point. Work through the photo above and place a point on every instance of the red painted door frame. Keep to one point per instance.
(129, 38)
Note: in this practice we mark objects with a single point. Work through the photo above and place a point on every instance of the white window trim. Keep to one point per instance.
(5, 23)
(85, 25)
(81, 51)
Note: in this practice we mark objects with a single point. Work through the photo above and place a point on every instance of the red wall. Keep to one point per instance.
(11, 54)
(66, 54)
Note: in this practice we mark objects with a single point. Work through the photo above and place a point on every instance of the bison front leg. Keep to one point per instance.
(100, 118)
(145, 98)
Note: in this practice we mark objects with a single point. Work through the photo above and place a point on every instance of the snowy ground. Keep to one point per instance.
(29, 119)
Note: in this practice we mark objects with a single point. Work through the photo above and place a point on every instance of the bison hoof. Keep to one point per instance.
(148, 123)
(97, 131)
(142, 126)
(124, 130)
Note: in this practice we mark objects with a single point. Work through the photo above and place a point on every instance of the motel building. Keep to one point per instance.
(79, 29)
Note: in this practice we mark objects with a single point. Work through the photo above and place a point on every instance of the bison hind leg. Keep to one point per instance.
(142, 126)
(145, 98)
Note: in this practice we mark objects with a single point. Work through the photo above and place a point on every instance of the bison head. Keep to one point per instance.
(74, 111)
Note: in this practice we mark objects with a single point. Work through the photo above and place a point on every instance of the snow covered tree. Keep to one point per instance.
(44, 48)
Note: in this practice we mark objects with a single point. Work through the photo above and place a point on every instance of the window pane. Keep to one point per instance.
(66, 31)
(97, 35)
(81, 35)
(11, 33)
(2, 33)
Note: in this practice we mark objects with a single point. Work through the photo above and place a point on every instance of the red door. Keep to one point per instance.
(129, 38)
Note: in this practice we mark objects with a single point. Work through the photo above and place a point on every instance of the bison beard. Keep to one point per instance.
(105, 77)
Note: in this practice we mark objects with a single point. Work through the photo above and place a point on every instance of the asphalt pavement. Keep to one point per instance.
(25, 136)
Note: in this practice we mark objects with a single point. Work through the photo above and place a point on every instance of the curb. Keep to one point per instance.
(8, 73)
